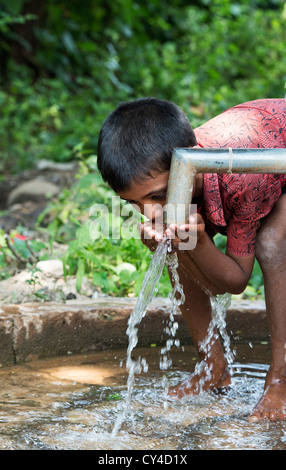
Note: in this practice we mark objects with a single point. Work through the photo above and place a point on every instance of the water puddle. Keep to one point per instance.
(74, 402)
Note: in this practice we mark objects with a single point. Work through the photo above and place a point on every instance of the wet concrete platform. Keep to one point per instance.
(32, 331)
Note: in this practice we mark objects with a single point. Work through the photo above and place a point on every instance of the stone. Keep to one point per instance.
(51, 268)
(43, 165)
(36, 190)
(25, 215)
(47, 284)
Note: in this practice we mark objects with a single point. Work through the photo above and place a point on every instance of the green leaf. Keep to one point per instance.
(79, 274)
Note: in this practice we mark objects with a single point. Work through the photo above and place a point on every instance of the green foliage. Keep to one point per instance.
(255, 287)
(86, 58)
(115, 266)
(206, 56)
(18, 251)
(45, 121)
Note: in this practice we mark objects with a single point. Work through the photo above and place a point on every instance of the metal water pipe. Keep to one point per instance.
(187, 162)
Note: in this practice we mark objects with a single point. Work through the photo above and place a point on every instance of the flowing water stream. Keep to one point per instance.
(145, 296)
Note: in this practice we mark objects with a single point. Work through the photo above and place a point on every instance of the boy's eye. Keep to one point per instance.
(159, 196)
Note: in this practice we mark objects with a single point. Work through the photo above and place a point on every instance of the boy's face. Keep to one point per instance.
(149, 195)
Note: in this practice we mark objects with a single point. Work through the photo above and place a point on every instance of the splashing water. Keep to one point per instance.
(172, 327)
(220, 304)
(217, 327)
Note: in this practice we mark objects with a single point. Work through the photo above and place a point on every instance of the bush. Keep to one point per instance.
(84, 58)
(115, 266)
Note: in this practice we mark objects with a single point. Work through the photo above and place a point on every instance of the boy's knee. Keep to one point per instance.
(270, 246)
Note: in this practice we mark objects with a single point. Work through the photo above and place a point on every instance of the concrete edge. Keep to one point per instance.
(37, 330)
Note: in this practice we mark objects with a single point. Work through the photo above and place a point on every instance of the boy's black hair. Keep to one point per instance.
(137, 140)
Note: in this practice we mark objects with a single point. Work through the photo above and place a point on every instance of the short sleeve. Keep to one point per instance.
(250, 199)
(241, 237)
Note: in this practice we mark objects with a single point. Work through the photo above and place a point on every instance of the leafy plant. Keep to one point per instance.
(205, 56)
(115, 266)
(17, 252)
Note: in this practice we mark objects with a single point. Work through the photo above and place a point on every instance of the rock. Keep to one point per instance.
(46, 285)
(34, 190)
(60, 174)
(51, 268)
(25, 214)
(43, 165)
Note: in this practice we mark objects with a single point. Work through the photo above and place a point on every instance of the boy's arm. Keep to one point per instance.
(224, 272)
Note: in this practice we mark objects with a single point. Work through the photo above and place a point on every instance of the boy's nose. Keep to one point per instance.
(153, 211)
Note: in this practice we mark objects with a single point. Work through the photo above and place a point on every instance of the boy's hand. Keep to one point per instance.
(189, 235)
(151, 235)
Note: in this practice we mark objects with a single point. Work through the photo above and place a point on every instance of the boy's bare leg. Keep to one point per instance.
(271, 254)
(196, 311)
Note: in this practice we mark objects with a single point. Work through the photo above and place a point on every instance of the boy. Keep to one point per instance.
(134, 154)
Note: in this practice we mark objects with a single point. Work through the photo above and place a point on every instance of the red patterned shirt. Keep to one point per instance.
(234, 204)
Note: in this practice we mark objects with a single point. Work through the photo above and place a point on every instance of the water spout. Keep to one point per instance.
(189, 161)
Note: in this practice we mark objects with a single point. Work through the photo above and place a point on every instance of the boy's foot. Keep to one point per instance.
(272, 404)
(197, 383)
